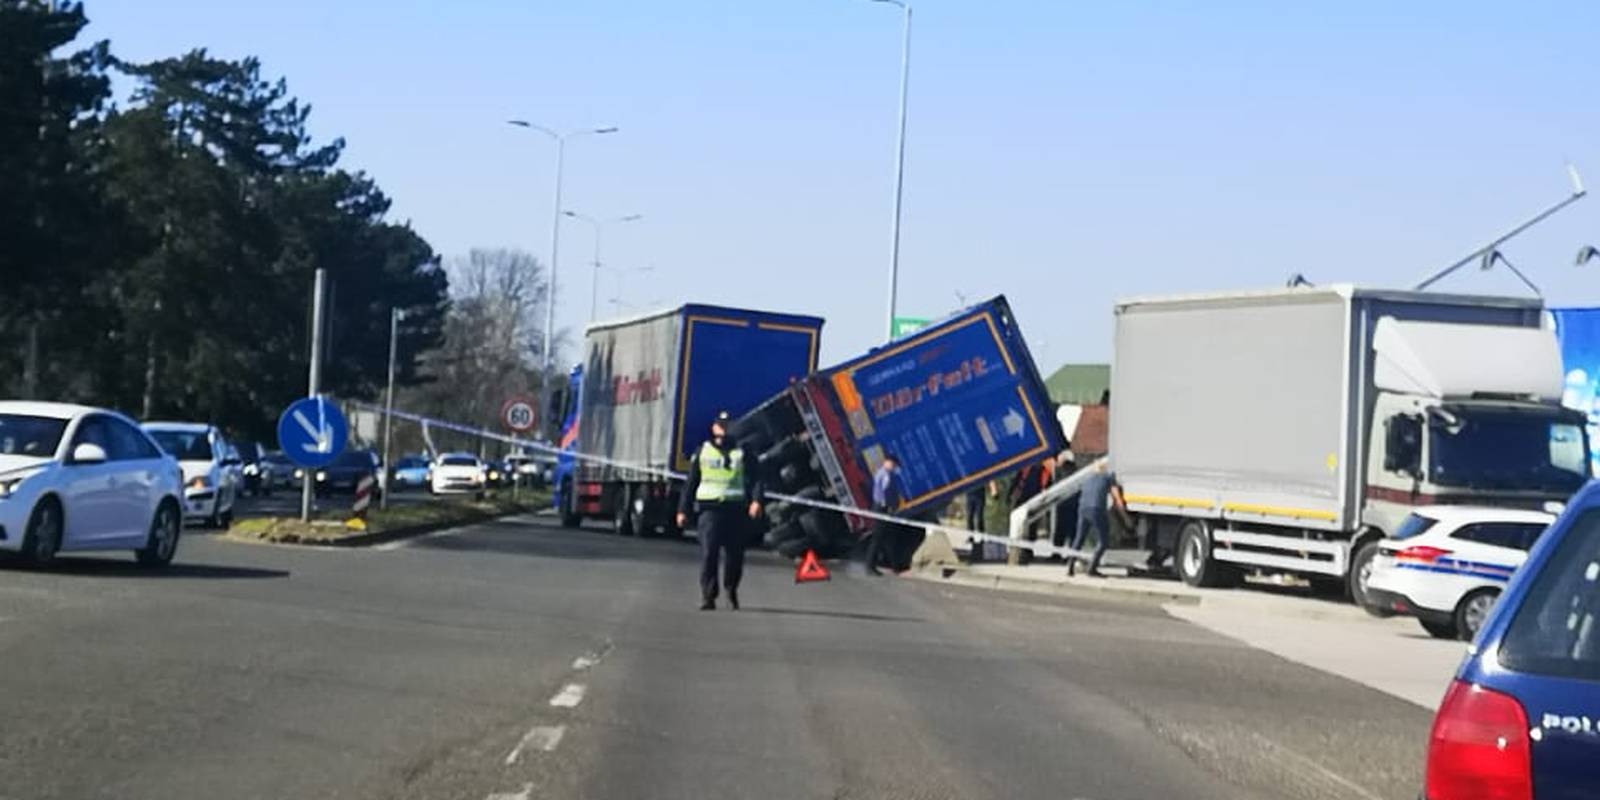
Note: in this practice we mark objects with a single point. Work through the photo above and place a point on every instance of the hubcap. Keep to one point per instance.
(166, 535)
(1477, 610)
(1191, 556)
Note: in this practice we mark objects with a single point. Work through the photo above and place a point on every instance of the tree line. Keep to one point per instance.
(157, 249)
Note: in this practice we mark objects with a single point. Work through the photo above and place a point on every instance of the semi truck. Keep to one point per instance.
(642, 401)
(1290, 430)
(958, 402)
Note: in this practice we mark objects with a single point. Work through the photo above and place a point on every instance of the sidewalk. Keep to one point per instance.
(1392, 655)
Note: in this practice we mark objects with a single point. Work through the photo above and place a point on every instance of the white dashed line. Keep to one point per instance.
(543, 738)
(569, 696)
(592, 658)
(527, 792)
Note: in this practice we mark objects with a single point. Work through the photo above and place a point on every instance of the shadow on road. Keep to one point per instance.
(129, 569)
(806, 612)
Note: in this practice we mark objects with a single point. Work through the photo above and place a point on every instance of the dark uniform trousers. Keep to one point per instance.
(722, 536)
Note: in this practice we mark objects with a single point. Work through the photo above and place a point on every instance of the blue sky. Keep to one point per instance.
(1064, 154)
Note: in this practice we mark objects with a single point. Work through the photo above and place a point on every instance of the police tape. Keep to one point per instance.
(1037, 547)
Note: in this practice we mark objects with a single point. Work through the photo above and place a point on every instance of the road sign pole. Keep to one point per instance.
(308, 487)
(388, 410)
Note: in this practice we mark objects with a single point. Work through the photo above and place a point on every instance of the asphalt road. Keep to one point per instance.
(519, 660)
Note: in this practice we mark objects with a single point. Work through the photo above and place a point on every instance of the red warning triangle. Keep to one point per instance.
(810, 569)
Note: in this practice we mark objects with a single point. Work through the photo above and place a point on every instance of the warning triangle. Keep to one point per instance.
(810, 569)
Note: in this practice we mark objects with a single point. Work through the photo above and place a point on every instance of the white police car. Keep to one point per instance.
(1447, 565)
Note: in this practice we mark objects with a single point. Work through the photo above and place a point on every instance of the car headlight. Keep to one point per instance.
(299, 474)
(322, 476)
(251, 469)
(201, 482)
(494, 476)
(9, 483)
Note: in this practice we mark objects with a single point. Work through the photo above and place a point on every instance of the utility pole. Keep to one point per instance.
(308, 487)
(899, 168)
(395, 316)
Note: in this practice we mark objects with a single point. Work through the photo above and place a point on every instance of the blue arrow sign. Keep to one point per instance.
(312, 432)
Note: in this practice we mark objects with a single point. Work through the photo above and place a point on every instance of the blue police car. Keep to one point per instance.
(1522, 717)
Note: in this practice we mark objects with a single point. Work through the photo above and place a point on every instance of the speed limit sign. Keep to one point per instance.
(518, 414)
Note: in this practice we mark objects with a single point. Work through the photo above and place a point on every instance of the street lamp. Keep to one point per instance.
(1586, 254)
(555, 242)
(899, 166)
(1494, 255)
(395, 315)
(597, 224)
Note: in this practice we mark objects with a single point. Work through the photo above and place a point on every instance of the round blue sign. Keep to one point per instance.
(312, 432)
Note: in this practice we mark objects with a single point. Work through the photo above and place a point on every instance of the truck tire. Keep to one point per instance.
(570, 518)
(642, 520)
(824, 529)
(794, 475)
(782, 533)
(784, 452)
(1194, 563)
(1360, 572)
(792, 548)
(622, 516)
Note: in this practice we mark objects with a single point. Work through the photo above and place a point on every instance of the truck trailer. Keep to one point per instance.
(959, 402)
(641, 403)
(1290, 430)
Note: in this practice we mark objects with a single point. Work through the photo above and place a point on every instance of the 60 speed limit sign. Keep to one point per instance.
(518, 414)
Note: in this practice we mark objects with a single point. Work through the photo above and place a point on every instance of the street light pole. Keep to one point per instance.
(597, 224)
(395, 315)
(314, 381)
(555, 245)
(899, 167)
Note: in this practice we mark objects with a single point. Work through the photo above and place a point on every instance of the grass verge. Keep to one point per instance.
(398, 521)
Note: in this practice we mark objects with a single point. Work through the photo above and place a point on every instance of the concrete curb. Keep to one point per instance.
(380, 537)
(1106, 588)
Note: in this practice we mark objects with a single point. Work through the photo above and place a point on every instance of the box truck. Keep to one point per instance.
(641, 403)
(1290, 430)
(959, 402)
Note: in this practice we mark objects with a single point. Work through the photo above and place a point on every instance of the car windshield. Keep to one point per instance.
(22, 435)
(354, 458)
(411, 463)
(184, 445)
(459, 461)
(1556, 630)
(1507, 450)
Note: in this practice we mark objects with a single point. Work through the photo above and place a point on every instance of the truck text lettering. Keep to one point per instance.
(907, 396)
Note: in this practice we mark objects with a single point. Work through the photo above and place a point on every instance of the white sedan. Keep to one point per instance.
(74, 478)
(212, 476)
(1446, 565)
(457, 473)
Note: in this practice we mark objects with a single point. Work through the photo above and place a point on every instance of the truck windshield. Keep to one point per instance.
(1480, 449)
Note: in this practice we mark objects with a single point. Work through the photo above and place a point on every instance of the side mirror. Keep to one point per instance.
(88, 453)
(1403, 445)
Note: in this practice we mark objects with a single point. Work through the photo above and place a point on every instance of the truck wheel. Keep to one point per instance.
(1194, 562)
(643, 519)
(784, 452)
(1360, 573)
(622, 517)
(782, 533)
(793, 548)
(1472, 611)
(570, 518)
(793, 475)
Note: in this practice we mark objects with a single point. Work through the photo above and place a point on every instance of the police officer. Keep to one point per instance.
(724, 490)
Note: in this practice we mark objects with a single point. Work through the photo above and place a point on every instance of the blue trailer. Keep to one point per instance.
(959, 402)
(642, 401)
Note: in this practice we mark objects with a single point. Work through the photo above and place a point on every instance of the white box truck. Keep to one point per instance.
(1289, 430)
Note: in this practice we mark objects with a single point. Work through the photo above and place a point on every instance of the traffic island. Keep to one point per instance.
(327, 529)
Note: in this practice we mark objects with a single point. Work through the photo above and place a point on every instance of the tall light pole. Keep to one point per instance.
(597, 224)
(395, 315)
(555, 245)
(899, 167)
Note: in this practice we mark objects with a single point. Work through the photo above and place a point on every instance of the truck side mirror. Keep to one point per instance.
(1402, 445)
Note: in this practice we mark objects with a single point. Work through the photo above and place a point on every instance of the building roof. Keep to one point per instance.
(1079, 384)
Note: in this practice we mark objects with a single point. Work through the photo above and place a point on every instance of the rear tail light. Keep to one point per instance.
(1478, 749)
(1423, 553)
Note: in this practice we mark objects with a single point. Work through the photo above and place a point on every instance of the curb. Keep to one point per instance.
(380, 537)
(960, 575)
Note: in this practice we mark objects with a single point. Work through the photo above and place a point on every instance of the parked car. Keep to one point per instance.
(282, 473)
(212, 478)
(457, 473)
(1446, 565)
(74, 478)
(410, 472)
(1520, 718)
(258, 472)
(346, 472)
(526, 469)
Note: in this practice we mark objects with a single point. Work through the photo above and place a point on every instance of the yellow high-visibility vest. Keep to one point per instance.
(721, 477)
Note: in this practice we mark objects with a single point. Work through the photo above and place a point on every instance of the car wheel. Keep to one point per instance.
(226, 518)
(42, 539)
(162, 542)
(1439, 630)
(1472, 611)
(1360, 574)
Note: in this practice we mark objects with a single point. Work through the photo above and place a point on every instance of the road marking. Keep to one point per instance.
(527, 792)
(592, 658)
(569, 696)
(543, 738)
(1306, 761)
(407, 542)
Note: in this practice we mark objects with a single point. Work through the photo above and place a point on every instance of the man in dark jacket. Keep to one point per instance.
(723, 489)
